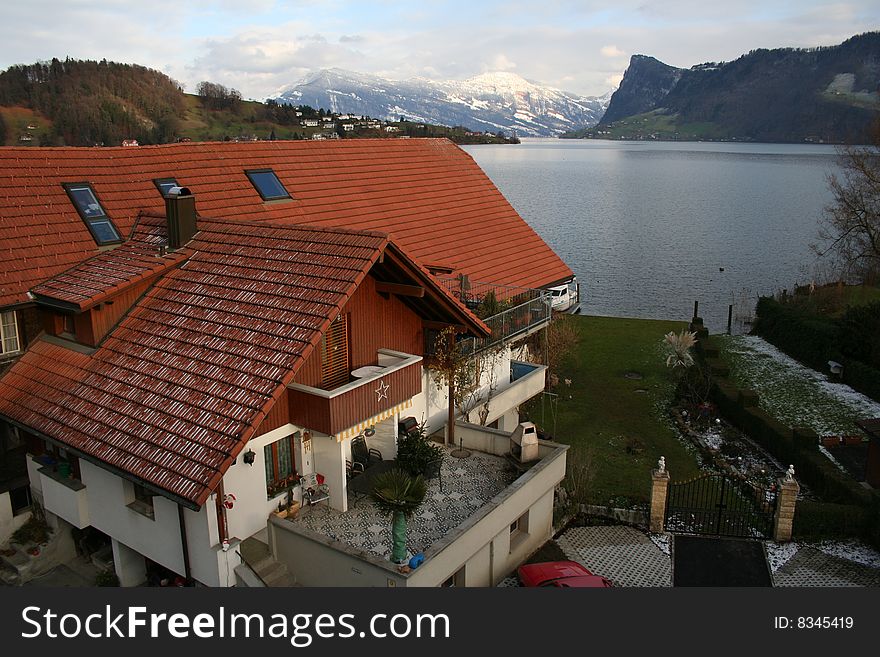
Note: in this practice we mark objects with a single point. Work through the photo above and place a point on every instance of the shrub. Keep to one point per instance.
(860, 334)
(415, 452)
(825, 519)
(35, 530)
(861, 377)
(810, 340)
(106, 578)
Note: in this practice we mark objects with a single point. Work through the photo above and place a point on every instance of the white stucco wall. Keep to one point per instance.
(157, 538)
(248, 484)
(34, 477)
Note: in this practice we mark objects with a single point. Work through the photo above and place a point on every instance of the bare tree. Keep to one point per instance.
(554, 345)
(453, 369)
(849, 232)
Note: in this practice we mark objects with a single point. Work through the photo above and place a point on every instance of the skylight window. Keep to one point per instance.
(92, 212)
(267, 184)
(164, 184)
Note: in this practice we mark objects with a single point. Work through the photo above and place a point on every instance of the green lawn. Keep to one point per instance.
(792, 393)
(604, 414)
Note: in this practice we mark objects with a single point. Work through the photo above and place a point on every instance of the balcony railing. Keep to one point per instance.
(396, 379)
(507, 310)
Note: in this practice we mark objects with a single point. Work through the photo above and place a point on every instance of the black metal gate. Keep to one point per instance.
(721, 506)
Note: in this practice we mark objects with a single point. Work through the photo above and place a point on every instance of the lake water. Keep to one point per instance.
(648, 226)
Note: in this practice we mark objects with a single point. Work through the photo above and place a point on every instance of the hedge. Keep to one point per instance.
(809, 339)
(861, 377)
(826, 520)
(816, 340)
(826, 479)
(791, 446)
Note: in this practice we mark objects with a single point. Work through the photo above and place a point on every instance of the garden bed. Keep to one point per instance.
(728, 450)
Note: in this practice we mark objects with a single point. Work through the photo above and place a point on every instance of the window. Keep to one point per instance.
(335, 367)
(280, 466)
(164, 184)
(20, 499)
(519, 531)
(142, 502)
(92, 212)
(267, 184)
(9, 333)
(69, 325)
(456, 580)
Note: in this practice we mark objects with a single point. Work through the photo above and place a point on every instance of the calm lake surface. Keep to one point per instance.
(647, 227)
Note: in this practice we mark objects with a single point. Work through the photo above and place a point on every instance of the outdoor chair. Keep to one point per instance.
(433, 470)
(353, 469)
(363, 455)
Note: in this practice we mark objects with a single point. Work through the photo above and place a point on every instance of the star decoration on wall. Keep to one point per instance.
(382, 390)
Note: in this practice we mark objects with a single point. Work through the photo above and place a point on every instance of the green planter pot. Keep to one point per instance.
(398, 538)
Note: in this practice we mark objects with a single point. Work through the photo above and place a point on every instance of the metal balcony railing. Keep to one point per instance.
(507, 310)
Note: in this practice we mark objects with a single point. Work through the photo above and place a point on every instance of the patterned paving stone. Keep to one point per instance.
(624, 555)
(811, 567)
(468, 484)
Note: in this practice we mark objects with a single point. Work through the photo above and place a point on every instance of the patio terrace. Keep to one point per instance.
(468, 484)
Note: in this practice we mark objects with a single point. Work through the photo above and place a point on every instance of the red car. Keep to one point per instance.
(564, 574)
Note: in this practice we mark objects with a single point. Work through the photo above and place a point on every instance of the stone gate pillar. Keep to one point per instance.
(659, 489)
(785, 503)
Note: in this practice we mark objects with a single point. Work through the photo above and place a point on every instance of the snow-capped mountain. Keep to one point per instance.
(487, 102)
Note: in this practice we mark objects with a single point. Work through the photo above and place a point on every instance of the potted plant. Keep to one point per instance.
(287, 506)
(399, 495)
(416, 454)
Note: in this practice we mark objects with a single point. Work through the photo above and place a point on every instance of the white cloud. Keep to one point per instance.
(613, 81)
(501, 62)
(576, 45)
(611, 51)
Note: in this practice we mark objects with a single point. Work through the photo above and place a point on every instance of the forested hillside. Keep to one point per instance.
(88, 102)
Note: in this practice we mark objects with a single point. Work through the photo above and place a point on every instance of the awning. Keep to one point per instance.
(359, 428)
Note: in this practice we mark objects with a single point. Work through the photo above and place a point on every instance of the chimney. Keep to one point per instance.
(180, 213)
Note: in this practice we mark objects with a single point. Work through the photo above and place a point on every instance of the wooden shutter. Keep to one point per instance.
(335, 366)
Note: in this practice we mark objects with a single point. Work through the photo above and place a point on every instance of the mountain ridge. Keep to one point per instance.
(825, 94)
(498, 100)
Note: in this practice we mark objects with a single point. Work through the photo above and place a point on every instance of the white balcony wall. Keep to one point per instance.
(504, 396)
(482, 549)
(34, 477)
(67, 499)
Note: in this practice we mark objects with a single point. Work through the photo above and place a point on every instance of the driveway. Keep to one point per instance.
(631, 557)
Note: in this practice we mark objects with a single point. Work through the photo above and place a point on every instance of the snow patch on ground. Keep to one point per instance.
(855, 551)
(661, 541)
(712, 438)
(794, 394)
(828, 456)
(778, 554)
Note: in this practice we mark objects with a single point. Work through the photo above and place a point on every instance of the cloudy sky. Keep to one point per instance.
(259, 46)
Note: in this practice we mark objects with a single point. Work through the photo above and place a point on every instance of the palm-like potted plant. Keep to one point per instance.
(398, 494)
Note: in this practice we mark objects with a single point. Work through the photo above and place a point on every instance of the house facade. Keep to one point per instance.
(178, 367)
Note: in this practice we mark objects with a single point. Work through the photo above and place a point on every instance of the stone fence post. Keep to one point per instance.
(659, 489)
(785, 502)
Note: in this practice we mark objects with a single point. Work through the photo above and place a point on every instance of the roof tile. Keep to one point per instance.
(429, 195)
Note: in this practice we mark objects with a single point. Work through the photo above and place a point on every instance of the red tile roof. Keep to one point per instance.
(176, 390)
(428, 195)
(103, 276)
